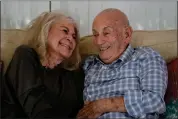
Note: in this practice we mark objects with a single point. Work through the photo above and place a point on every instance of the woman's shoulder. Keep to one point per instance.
(24, 50)
(25, 55)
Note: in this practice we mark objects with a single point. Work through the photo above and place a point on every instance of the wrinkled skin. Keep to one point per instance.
(61, 42)
(111, 35)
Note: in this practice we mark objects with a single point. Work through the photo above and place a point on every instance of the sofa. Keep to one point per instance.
(163, 41)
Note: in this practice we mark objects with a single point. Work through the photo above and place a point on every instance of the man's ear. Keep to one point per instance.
(128, 34)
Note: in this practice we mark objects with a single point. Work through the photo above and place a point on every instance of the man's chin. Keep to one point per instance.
(104, 58)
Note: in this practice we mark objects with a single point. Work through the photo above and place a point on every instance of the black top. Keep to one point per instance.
(32, 91)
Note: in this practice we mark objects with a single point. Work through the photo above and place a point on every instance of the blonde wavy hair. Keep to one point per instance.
(37, 36)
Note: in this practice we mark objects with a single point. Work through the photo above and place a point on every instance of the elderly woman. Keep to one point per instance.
(43, 79)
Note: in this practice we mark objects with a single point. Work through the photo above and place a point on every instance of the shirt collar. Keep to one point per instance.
(124, 57)
(127, 53)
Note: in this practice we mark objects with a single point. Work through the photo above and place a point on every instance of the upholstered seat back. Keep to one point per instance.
(165, 42)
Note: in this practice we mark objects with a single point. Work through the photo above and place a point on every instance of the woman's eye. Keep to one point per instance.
(74, 37)
(65, 31)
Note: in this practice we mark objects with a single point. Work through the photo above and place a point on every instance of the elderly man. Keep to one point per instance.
(122, 82)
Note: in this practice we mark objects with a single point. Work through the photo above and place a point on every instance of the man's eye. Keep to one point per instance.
(105, 34)
(95, 35)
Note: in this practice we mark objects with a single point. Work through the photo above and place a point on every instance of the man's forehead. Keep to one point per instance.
(103, 28)
(113, 18)
(107, 24)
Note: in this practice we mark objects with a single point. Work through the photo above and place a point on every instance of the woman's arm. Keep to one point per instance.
(79, 84)
(19, 77)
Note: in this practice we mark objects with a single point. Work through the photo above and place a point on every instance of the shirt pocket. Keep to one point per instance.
(128, 79)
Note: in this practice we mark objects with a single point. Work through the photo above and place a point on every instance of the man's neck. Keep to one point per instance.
(113, 58)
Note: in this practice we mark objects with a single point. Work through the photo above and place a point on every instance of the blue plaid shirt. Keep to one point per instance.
(139, 75)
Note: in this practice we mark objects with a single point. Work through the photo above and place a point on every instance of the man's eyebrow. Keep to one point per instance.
(107, 27)
(94, 30)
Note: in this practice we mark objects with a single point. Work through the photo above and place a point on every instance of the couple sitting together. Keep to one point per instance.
(47, 79)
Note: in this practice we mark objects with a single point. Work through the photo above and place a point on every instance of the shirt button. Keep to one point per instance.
(89, 96)
(104, 67)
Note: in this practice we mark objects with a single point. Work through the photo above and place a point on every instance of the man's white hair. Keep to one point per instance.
(113, 10)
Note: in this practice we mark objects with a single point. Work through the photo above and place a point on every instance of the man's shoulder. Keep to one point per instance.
(88, 61)
(90, 58)
(147, 55)
(145, 52)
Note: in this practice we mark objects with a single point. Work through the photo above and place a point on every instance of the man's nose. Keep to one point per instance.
(100, 40)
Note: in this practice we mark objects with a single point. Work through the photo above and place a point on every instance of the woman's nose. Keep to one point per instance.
(69, 37)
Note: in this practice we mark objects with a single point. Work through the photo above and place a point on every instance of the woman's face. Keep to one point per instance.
(62, 38)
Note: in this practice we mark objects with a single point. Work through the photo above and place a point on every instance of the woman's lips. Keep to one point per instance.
(65, 45)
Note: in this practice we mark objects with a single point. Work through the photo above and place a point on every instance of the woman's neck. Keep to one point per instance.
(53, 59)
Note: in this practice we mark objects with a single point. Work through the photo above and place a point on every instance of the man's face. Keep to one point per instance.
(108, 36)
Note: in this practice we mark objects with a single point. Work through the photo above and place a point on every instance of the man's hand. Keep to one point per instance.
(96, 108)
(92, 109)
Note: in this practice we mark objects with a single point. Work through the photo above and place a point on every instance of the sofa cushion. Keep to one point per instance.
(165, 42)
(172, 89)
(171, 96)
(10, 40)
